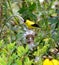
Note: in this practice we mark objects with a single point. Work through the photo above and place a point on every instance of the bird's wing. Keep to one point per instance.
(35, 25)
(28, 22)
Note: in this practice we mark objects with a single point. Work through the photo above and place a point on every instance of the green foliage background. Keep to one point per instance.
(12, 50)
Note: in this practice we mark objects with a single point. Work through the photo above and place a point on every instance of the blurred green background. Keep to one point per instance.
(12, 40)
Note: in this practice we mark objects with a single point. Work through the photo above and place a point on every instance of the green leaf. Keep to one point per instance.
(23, 9)
(11, 46)
(42, 51)
(32, 7)
(19, 62)
(1, 43)
(10, 60)
(3, 60)
(27, 61)
(22, 51)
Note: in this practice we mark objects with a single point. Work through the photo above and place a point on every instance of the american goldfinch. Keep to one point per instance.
(31, 24)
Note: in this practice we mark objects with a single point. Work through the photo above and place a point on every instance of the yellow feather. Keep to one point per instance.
(29, 23)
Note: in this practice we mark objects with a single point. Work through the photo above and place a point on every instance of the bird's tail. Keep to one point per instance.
(36, 25)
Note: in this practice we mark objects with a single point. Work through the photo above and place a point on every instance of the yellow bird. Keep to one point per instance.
(31, 24)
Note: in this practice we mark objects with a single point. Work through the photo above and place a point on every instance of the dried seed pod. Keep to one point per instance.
(13, 23)
(44, 57)
(54, 50)
(50, 57)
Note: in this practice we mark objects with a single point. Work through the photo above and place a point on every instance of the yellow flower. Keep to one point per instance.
(50, 62)
(55, 62)
(47, 62)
